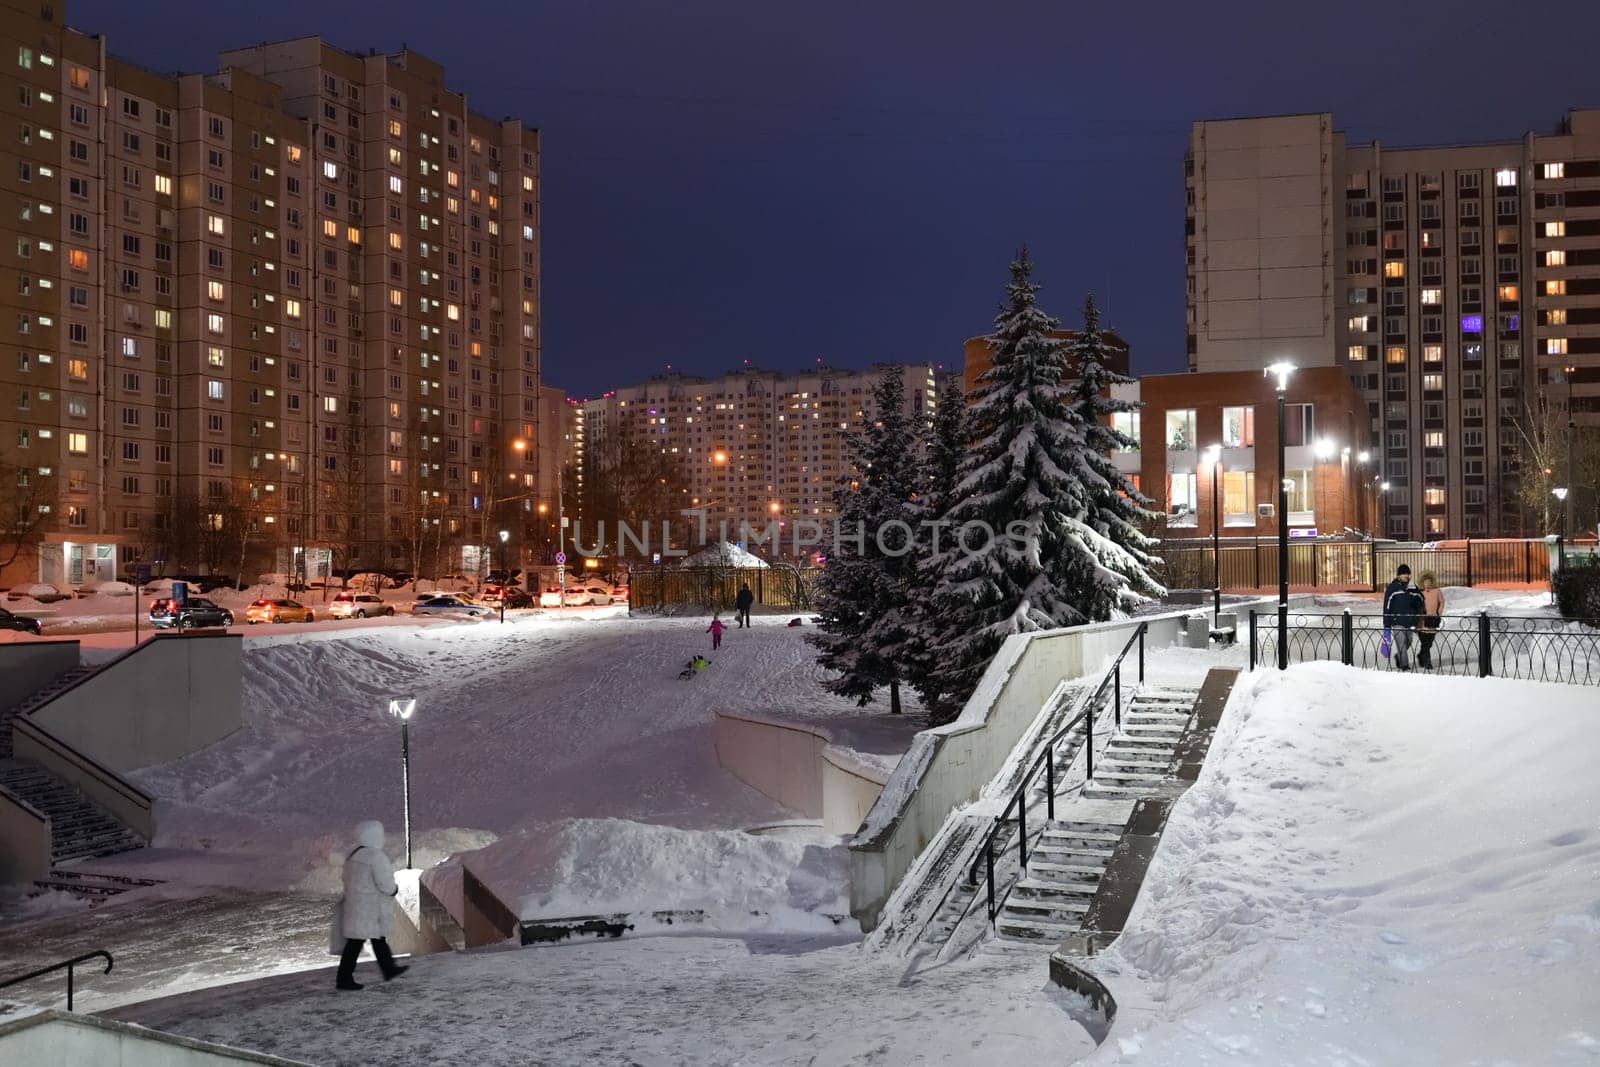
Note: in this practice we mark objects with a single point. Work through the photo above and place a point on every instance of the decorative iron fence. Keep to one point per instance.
(1351, 565)
(1532, 648)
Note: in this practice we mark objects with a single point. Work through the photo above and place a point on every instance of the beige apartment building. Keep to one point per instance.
(1458, 286)
(286, 313)
(754, 446)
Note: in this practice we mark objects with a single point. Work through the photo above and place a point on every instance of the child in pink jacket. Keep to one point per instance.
(715, 630)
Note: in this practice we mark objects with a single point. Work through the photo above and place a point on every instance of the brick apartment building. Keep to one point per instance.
(754, 445)
(1454, 285)
(293, 304)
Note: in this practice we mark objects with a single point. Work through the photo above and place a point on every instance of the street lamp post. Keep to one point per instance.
(505, 535)
(403, 709)
(1214, 457)
(1383, 507)
(1281, 370)
(1568, 496)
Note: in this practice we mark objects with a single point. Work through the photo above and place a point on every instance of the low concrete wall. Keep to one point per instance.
(798, 765)
(849, 789)
(781, 759)
(124, 801)
(59, 1039)
(28, 666)
(949, 765)
(172, 696)
(24, 840)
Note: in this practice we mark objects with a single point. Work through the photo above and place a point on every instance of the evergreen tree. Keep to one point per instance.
(944, 443)
(1116, 509)
(863, 591)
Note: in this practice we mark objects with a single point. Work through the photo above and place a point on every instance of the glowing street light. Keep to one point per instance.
(402, 709)
(1324, 448)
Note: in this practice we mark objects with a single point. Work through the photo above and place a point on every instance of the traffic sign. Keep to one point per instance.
(561, 557)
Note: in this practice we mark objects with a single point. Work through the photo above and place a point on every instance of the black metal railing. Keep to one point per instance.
(1046, 761)
(68, 964)
(1530, 648)
(1349, 565)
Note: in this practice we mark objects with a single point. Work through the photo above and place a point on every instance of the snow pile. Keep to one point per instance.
(740, 881)
(1374, 869)
(724, 554)
(106, 588)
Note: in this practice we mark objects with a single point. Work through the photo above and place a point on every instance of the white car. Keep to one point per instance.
(448, 604)
(601, 593)
(576, 597)
(358, 606)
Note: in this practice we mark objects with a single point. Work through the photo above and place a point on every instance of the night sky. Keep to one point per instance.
(747, 179)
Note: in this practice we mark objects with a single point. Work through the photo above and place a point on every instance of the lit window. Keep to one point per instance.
(1238, 427)
(214, 323)
(291, 308)
(214, 290)
(1431, 296)
(394, 128)
(1433, 496)
(353, 235)
(527, 233)
(77, 259)
(331, 171)
(1356, 353)
(330, 228)
(78, 444)
(1555, 257)
(1555, 346)
(1505, 178)
(396, 242)
(1508, 292)
(1394, 269)
(330, 404)
(213, 389)
(1555, 287)
(163, 319)
(1394, 354)
(1556, 317)
(1433, 439)
(395, 185)
(1555, 229)
(1555, 170)
(216, 225)
(396, 298)
(394, 157)
(164, 184)
(293, 152)
(1433, 381)
(527, 183)
(215, 356)
(1433, 353)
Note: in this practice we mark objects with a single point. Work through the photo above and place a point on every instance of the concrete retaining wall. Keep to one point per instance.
(947, 766)
(172, 696)
(798, 765)
(24, 840)
(57, 1039)
(121, 799)
(28, 666)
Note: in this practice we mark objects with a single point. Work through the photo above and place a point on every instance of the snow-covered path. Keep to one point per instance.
(660, 1000)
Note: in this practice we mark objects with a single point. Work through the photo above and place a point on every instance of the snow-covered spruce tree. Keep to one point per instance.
(1016, 553)
(863, 589)
(944, 444)
(1117, 510)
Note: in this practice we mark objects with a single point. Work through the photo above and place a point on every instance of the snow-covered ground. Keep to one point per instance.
(1374, 869)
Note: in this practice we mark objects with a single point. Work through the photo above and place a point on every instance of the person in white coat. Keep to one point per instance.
(366, 912)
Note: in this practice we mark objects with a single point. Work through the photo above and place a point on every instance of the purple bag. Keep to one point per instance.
(1386, 645)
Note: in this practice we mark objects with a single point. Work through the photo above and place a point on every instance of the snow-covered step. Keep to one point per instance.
(1154, 732)
(1138, 762)
(1035, 929)
(1043, 893)
(1055, 871)
(79, 829)
(92, 886)
(1114, 791)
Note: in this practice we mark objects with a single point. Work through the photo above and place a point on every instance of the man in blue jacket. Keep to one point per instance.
(1402, 607)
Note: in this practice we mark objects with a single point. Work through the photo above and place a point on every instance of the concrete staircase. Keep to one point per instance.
(1065, 865)
(93, 887)
(1061, 879)
(79, 829)
(39, 698)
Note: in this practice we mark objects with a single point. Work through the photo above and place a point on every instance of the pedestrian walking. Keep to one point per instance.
(715, 630)
(742, 604)
(1402, 610)
(366, 911)
(1432, 618)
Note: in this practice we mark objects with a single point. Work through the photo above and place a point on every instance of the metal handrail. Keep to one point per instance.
(1046, 758)
(68, 964)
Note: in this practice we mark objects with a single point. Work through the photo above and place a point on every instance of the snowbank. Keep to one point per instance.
(740, 881)
(1374, 869)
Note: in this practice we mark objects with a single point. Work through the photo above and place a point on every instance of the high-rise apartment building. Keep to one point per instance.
(287, 313)
(753, 445)
(1456, 285)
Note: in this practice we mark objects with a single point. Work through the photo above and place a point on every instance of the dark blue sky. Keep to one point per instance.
(748, 179)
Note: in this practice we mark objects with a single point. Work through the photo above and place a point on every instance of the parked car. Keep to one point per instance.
(512, 595)
(448, 604)
(278, 611)
(9, 621)
(358, 606)
(193, 613)
(601, 593)
(577, 597)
